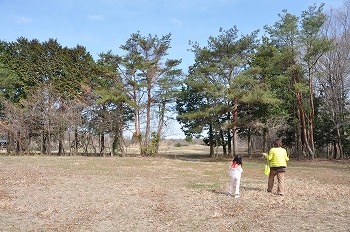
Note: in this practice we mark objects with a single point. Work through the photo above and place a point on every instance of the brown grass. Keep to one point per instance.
(160, 194)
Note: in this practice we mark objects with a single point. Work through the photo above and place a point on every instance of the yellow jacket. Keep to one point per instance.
(277, 156)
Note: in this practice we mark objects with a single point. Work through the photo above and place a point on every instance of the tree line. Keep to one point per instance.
(291, 82)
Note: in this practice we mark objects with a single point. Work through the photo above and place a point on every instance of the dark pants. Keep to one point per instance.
(280, 179)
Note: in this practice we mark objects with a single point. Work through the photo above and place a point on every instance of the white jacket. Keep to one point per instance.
(235, 170)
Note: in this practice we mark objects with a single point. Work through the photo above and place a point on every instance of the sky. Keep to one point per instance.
(103, 25)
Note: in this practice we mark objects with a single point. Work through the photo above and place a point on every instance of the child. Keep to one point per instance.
(235, 173)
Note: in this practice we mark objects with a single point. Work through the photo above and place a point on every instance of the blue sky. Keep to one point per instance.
(102, 25)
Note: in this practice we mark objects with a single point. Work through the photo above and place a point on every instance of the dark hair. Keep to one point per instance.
(238, 159)
(277, 143)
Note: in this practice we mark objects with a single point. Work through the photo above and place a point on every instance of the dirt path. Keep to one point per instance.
(158, 194)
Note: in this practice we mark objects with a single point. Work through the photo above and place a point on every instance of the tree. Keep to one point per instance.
(271, 117)
(112, 102)
(333, 84)
(198, 105)
(53, 74)
(145, 71)
(300, 45)
(220, 82)
(314, 45)
(283, 36)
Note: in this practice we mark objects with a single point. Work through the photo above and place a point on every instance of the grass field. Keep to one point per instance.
(50, 193)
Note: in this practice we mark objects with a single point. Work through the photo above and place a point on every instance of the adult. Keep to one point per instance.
(278, 158)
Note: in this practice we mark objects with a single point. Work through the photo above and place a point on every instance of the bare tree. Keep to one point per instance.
(334, 76)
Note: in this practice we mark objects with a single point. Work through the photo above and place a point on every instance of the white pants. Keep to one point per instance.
(237, 180)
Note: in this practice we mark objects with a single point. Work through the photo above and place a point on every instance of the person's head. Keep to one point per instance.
(238, 159)
(277, 143)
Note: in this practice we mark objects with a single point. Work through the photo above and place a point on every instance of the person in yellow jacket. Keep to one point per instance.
(278, 158)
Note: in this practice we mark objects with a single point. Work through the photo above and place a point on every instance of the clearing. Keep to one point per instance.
(76, 193)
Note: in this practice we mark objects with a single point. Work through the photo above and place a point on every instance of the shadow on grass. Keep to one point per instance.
(190, 157)
(217, 192)
(205, 157)
(245, 188)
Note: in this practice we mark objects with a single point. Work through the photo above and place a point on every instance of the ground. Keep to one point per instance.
(76, 193)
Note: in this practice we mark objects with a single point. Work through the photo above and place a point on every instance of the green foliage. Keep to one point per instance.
(30, 65)
(178, 145)
(189, 139)
(236, 84)
(151, 149)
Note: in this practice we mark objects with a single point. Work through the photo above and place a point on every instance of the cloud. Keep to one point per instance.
(95, 17)
(23, 20)
(176, 22)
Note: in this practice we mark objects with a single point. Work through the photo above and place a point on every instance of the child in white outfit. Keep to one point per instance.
(235, 173)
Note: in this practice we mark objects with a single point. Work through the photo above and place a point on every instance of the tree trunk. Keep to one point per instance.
(111, 143)
(305, 134)
(264, 143)
(222, 138)
(234, 129)
(86, 146)
(211, 140)
(148, 120)
(335, 150)
(76, 140)
(102, 142)
(44, 143)
(137, 134)
(249, 138)
(311, 115)
(119, 137)
(298, 136)
(160, 125)
(229, 142)
(60, 143)
(229, 137)
(301, 113)
(9, 142)
(18, 143)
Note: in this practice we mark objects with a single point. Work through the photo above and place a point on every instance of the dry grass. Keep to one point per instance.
(159, 194)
